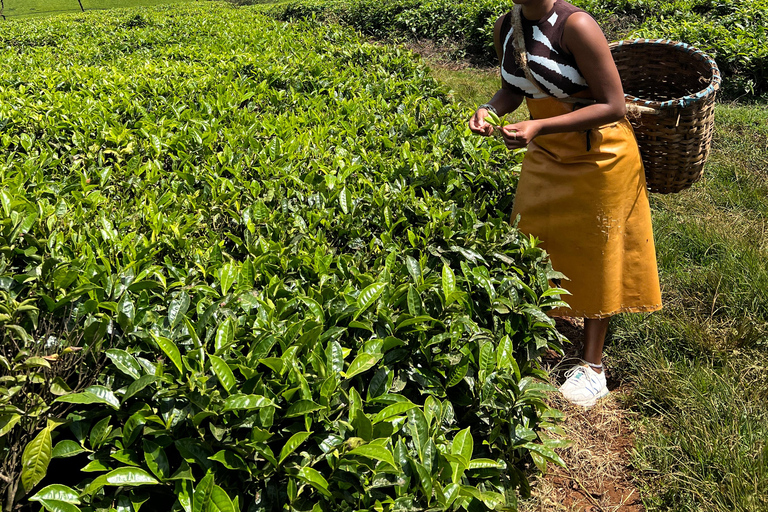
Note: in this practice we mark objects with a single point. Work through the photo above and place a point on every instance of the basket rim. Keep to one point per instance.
(684, 101)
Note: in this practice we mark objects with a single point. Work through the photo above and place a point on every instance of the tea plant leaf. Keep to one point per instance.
(417, 320)
(505, 353)
(375, 452)
(457, 373)
(66, 448)
(484, 464)
(99, 432)
(345, 200)
(302, 408)
(170, 349)
(138, 385)
(363, 362)
(449, 283)
(57, 492)
(315, 308)
(554, 291)
(414, 268)
(223, 372)
(225, 335)
(414, 301)
(157, 460)
(202, 495)
(130, 477)
(230, 460)
(425, 478)
(58, 388)
(92, 395)
(290, 446)
(392, 411)
(125, 362)
(184, 493)
(368, 296)
(7, 422)
(462, 445)
(227, 276)
(104, 394)
(487, 360)
(314, 478)
(178, 308)
(335, 357)
(220, 501)
(52, 505)
(274, 363)
(419, 430)
(246, 402)
(547, 453)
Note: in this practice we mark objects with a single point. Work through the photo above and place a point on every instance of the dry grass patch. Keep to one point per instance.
(597, 476)
(597, 473)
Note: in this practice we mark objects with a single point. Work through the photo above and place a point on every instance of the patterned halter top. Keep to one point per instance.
(553, 69)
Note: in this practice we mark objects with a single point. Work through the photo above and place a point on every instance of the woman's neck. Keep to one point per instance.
(537, 9)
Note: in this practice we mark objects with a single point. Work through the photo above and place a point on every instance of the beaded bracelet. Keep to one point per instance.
(488, 106)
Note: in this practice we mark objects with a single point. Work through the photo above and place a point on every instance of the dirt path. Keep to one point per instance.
(598, 475)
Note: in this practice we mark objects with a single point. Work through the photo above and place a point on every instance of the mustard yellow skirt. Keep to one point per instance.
(584, 195)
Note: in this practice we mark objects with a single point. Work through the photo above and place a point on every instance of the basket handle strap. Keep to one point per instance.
(634, 110)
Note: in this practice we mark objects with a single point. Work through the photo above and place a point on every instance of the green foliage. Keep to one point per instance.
(24, 8)
(288, 258)
(734, 33)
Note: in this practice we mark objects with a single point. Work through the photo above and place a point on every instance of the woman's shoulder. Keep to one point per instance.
(580, 27)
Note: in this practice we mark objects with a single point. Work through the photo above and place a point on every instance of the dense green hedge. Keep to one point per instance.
(734, 32)
(250, 265)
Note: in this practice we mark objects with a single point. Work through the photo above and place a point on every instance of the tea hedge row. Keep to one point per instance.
(247, 265)
(734, 33)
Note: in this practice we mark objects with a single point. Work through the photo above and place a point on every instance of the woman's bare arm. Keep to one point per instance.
(504, 101)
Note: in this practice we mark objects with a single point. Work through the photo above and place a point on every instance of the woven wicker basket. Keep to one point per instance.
(670, 91)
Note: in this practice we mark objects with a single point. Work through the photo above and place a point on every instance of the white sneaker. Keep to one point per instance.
(584, 386)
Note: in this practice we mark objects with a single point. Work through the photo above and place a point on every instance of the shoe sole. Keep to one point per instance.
(591, 401)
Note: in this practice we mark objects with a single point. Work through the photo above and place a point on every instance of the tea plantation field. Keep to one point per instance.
(252, 265)
(734, 33)
(13, 9)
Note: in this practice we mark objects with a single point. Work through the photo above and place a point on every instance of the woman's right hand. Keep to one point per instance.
(479, 125)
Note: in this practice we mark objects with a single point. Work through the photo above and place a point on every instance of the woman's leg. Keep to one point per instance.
(595, 330)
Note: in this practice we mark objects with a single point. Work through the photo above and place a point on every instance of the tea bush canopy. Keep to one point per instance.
(734, 33)
(246, 265)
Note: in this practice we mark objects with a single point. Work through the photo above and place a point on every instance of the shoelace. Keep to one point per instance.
(573, 371)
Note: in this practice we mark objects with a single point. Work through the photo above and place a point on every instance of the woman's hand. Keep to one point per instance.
(479, 125)
(519, 135)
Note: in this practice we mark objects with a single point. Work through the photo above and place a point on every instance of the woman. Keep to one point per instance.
(582, 186)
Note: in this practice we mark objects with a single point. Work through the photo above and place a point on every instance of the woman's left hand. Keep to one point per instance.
(519, 135)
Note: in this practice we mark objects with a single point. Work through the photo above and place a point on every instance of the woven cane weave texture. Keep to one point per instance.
(670, 89)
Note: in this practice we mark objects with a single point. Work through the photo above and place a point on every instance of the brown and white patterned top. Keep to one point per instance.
(551, 66)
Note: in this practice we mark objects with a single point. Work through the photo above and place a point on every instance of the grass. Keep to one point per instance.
(25, 8)
(698, 368)
(472, 86)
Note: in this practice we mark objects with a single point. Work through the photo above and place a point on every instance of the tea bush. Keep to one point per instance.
(247, 265)
(734, 33)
